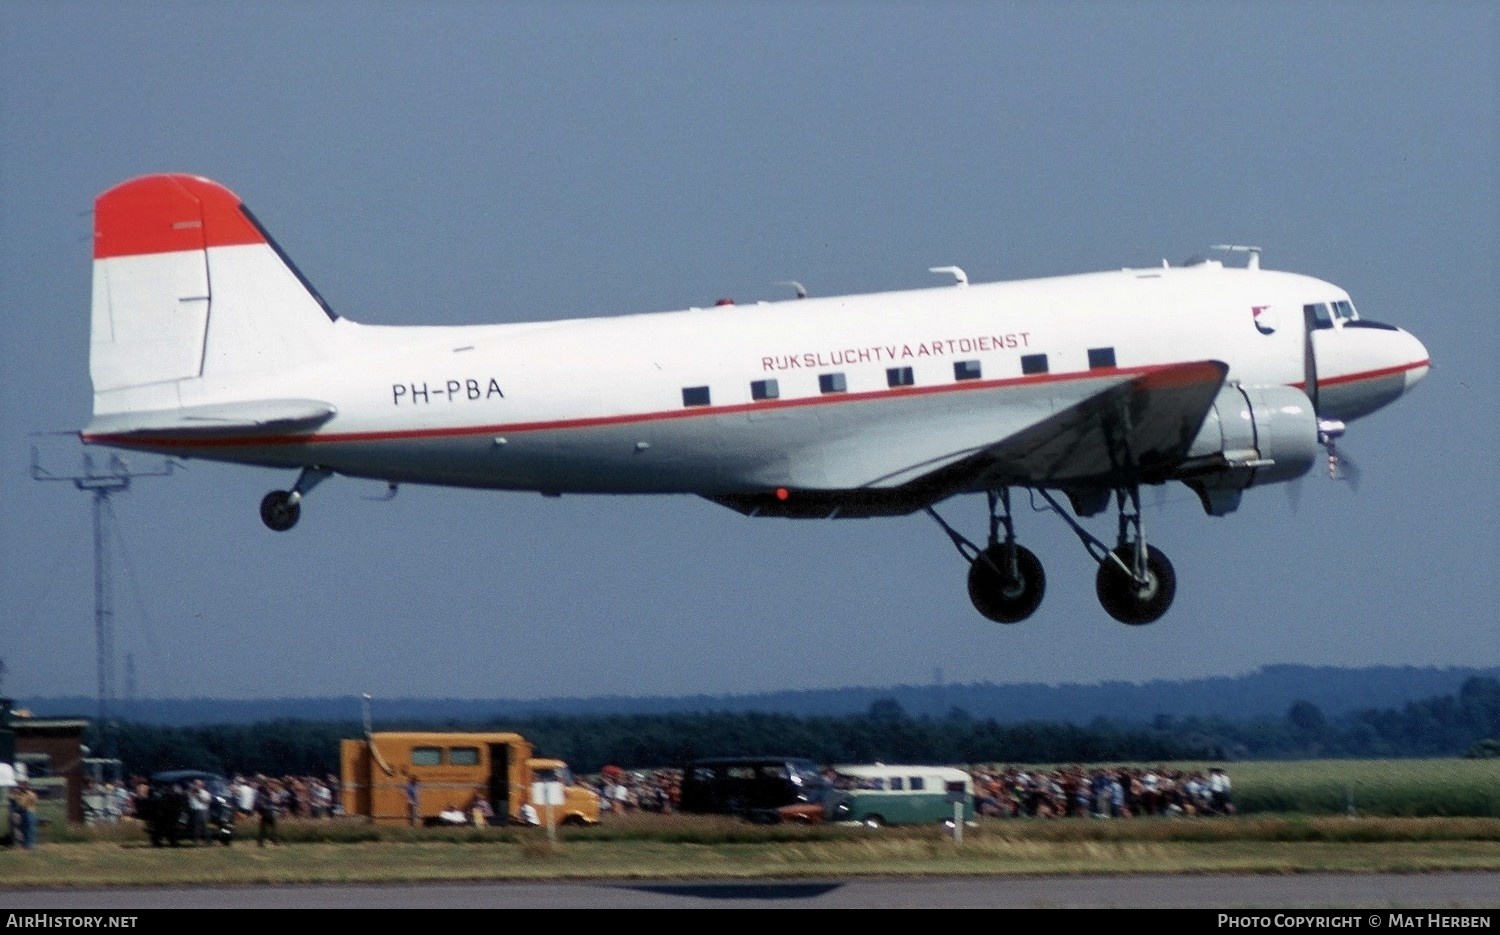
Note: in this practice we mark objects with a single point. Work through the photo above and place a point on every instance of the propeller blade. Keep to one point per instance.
(1342, 467)
(1309, 358)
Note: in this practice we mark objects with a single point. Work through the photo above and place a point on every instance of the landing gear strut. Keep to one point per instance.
(1135, 582)
(1006, 581)
(280, 509)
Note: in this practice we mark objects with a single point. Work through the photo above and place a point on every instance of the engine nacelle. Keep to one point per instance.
(1252, 435)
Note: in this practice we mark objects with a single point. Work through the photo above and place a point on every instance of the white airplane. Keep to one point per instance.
(207, 342)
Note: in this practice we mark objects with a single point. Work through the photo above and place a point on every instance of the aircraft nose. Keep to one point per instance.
(1417, 353)
(1365, 366)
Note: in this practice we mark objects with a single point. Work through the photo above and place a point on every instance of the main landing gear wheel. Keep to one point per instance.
(279, 511)
(1003, 593)
(1131, 601)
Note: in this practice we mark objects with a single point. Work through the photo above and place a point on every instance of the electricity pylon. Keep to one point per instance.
(103, 481)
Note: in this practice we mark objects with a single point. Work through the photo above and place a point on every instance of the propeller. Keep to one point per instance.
(1340, 465)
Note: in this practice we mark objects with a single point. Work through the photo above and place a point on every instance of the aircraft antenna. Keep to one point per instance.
(102, 481)
(801, 289)
(1252, 263)
(960, 277)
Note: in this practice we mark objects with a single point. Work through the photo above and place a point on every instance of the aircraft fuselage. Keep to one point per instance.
(668, 402)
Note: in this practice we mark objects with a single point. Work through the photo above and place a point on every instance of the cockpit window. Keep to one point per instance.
(1344, 311)
(1318, 315)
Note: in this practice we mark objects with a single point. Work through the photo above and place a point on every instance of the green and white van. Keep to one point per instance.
(900, 795)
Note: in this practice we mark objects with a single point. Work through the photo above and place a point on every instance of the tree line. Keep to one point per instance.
(1467, 722)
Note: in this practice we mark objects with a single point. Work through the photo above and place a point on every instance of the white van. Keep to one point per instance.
(878, 794)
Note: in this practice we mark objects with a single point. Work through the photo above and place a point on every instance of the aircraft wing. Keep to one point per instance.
(1131, 432)
(209, 420)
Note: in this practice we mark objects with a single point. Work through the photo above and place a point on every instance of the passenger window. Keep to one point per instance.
(900, 376)
(897, 784)
(1033, 363)
(917, 784)
(1101, 358)
(463, 756)
(765, 389)
(832, 383)
(966, 370)
(427, 756)
(695, 396)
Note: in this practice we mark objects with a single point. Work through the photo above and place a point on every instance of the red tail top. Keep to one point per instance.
(168, 213)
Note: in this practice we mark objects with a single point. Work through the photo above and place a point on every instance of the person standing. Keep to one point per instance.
(198, 802)
(413, 801)
(1219, 788)
(268, 807)
(244, 797)
(23, 802)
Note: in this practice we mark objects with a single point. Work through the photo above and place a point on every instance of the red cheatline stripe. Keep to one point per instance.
(1372, 374)
(1367, 374)
(167, 214)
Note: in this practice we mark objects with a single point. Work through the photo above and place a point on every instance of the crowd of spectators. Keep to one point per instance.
(999, 792)
(1119, 792)
(106, 802)
(623, 791)
(290, 796)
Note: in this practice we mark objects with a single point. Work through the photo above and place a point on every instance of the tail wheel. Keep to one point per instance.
(278, 511)
(1002, 593)
(1136, 602)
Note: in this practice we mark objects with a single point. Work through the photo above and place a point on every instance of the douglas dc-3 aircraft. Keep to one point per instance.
(207, 342)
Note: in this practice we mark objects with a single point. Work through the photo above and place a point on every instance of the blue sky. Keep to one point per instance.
(432, 163)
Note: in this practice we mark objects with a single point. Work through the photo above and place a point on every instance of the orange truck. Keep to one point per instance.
(484, 777)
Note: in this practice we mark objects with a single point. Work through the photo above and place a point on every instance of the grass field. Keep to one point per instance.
(1448, 787)
(672, 847)
(1385, 788)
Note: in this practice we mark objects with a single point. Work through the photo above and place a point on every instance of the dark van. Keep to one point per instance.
(764, 789)
(165, 811)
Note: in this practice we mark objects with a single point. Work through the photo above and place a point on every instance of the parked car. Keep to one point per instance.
(166, 814)
(765, 790)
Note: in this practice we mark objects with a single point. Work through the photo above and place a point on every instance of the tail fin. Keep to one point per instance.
(190, 290)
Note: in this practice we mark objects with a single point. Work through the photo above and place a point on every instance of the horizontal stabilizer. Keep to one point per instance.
(213, 419)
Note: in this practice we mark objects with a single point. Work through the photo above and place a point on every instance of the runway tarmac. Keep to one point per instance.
(1386, 892)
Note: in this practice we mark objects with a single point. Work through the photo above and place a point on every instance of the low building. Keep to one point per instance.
(52, 750)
